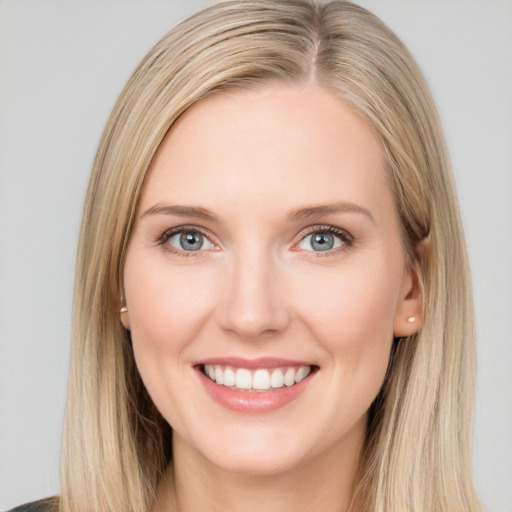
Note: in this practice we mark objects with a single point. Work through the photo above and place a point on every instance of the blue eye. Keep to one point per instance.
(189, 241)
(323, 240)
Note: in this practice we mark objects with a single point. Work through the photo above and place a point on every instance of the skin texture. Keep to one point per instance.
(258, 289)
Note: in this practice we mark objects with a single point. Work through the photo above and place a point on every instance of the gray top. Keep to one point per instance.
(45, 505)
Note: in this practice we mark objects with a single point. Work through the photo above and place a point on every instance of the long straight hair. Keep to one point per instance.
(417, 455)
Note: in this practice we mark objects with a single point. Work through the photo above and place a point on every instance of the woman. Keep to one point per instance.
(272, 304)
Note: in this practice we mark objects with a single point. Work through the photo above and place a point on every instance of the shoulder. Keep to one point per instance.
(46, 505)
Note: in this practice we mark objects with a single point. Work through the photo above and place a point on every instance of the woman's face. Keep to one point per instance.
(267, 251)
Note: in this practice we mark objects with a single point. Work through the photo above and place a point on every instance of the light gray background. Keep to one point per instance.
(62, 64)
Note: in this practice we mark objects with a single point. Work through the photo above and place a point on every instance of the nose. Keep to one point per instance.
(253, 304)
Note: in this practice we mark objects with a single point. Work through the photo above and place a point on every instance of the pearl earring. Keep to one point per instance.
(124, 309)
(411, 319)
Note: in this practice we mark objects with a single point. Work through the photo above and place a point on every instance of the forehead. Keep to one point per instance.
(282, 144)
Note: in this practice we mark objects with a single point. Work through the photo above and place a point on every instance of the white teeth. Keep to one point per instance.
(261, 379)
(277, 379)
(243, 379)
(219, 375)
(256, 380)
(289, 377)
(302, 373)
(229, 377)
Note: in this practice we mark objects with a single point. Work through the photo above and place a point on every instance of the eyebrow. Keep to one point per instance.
(181, 211)
(295, 215)
(321, 210)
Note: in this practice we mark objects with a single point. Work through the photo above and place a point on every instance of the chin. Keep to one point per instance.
(259, 462)
(244, 449)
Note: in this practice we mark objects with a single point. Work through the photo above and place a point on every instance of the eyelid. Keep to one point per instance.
(164, 237)
(346, 238)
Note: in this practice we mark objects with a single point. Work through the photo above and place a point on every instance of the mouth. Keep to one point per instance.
(255, 386)
(258, 380)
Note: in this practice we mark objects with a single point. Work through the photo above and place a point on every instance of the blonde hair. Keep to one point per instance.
(417, 455)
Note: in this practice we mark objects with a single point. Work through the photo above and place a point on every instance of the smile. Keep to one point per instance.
(256, 380)
(255, 386)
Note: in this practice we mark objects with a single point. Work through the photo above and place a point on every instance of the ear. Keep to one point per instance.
(124, 315)
(125, 318)
(409, 312)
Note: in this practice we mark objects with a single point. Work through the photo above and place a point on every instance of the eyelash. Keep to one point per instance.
(347, 240)
(167, 235)
(345, 237)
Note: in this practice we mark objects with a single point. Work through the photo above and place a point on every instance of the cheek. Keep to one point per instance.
(351, 316)
(166, 305)
(167, 308)
(349, 307)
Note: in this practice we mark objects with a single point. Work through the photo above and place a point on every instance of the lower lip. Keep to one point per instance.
(255, 402)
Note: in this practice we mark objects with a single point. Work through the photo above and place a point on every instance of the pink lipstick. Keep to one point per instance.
(254, 386)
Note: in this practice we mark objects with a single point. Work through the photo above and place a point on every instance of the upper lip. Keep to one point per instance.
(261, 362)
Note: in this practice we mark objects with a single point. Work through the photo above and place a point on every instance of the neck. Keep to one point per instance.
(323, 482)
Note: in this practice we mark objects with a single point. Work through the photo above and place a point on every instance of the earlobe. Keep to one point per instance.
(406, 326)
(409, 313)
(125, 317)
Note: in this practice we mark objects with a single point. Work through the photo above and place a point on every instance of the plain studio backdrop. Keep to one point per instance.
(62, 65)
